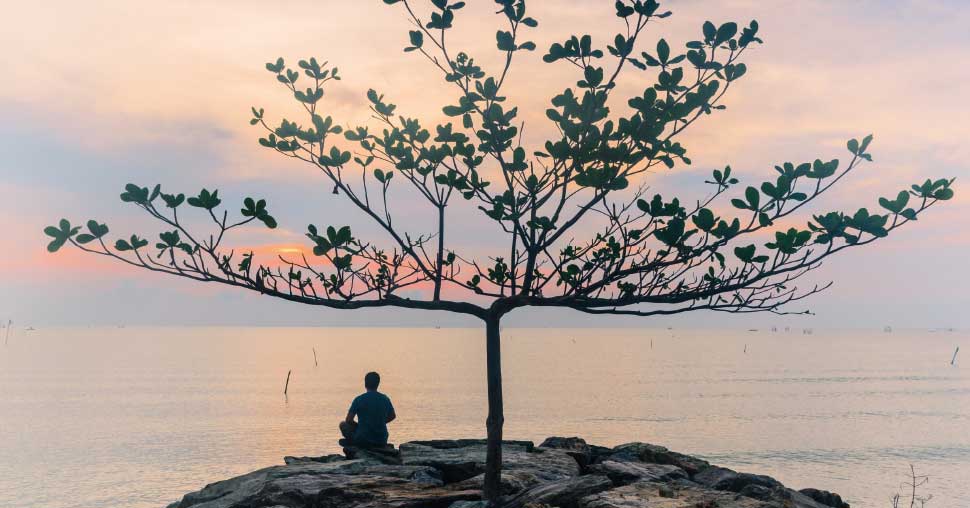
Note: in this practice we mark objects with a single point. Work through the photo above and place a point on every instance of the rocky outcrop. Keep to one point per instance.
(561, 472)
(653, 454)
(825, 497)
(625, 473)
(719, 478)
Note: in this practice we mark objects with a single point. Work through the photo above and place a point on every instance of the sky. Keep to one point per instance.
(99, 94)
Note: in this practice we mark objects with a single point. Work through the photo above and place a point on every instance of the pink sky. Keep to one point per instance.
(159, 92)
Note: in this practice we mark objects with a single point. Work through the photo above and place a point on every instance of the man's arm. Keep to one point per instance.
(391, 416)
(351, 413)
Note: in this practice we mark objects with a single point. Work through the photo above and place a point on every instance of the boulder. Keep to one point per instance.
(469, 504)
(645, 452)
(383, 455)
(825, 497)
(625, 473)
(289, 459)
(720, 478)
(562, 493)
(584, 453)
(659, 495)
(512, 482)
(521, 461)
(463, 443)
(788, 498)
(448, 474)
(301, 484)
(758, 492)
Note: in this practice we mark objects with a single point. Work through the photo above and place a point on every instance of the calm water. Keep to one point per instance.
(135, 417)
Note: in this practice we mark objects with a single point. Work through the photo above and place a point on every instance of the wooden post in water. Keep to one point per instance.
(287, 386)
(954, 360)
(315, 357)
(6, 338)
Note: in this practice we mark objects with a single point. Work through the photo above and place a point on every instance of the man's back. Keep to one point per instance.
(373, 410)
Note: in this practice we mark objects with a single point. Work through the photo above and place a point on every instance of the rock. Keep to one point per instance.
(720, 478)
(825, 497)
(789, 498)
(448, 474)
(658, 495)
(625, 473)
(562, 493)
(512, 482)
(385, 455)
(301, 485)
(469, 504)
(645, 452)
(584, 453)
(757, 492)
(575, 447)
(445, 444)
(289, 459)
(523, 464)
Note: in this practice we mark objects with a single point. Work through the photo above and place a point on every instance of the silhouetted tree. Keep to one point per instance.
(634, 254)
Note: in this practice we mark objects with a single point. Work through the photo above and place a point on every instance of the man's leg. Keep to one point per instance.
(347, 430)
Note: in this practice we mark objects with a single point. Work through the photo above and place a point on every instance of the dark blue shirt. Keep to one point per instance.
(372, 410)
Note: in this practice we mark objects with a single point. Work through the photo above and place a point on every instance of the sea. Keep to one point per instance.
(94, 417)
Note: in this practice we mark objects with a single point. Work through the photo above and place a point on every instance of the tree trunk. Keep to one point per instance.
(496, 417)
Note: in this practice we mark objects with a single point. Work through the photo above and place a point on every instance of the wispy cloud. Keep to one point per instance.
(95, 97)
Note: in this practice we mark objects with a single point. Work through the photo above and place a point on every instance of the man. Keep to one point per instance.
(374, 411)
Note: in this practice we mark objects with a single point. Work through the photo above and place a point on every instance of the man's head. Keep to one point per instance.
(372, 380)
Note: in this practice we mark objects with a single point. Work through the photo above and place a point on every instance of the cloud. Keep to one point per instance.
(96, 97)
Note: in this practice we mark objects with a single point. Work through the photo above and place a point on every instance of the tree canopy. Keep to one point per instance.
(671, 253)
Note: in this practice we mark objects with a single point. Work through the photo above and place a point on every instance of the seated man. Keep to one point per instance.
(373, 411)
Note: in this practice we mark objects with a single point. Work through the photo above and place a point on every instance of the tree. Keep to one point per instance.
(580, 234)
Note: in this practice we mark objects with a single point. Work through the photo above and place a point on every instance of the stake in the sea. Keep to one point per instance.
(580, 229)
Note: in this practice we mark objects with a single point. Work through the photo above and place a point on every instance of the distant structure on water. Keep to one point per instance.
(887, 329)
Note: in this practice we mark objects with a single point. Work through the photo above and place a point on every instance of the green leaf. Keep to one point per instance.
(745, 254)
(593, 77)
(275, 67)
(853, 146)
(135, 194)
(417, 38)
(60, 234)
(623, 10)
(943, 194)
(710, 31)
(897, 205)
(725, 32)
(663, 51)
(505, 41)
(97, 230)
(173, 201)
(205, 199)
(704, 219)
(672, 234)
(753, 197)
